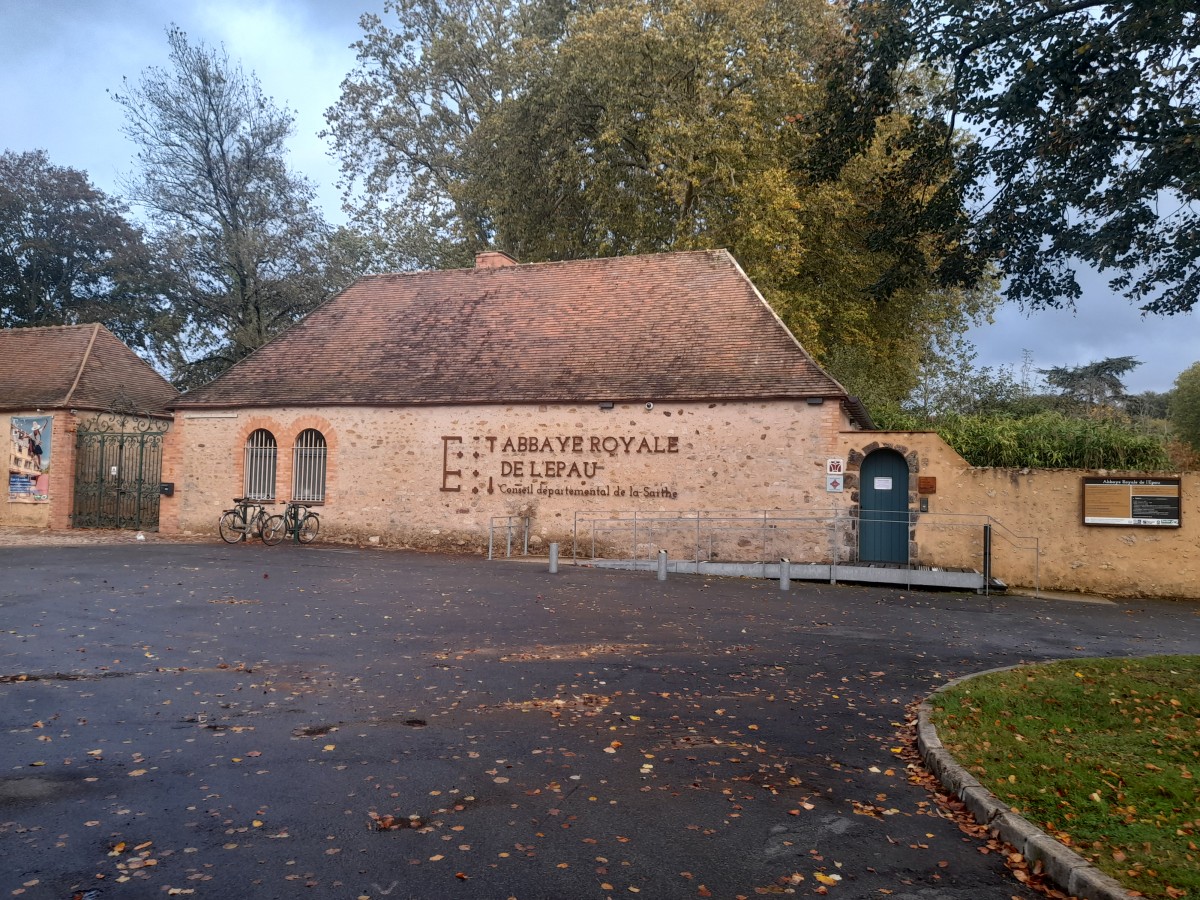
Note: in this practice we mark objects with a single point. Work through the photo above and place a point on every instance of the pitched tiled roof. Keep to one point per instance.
(676, 326)
(76, 366)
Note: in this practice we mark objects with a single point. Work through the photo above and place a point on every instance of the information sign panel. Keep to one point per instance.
(1140, 502)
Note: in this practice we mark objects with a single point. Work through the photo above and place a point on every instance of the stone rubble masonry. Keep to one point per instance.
(390, 470)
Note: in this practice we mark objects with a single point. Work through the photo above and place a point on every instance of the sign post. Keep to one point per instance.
(1137, 502)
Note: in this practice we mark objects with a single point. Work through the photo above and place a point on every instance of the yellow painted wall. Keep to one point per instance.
(1038, 535)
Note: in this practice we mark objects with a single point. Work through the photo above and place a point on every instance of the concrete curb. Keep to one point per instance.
(1062, 865)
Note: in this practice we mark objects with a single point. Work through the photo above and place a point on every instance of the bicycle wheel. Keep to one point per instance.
(255, 527)
(309, 526)
(232, 527)
(273, 531)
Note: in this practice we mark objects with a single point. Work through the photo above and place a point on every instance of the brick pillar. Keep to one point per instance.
(62, 470)
(172, 470)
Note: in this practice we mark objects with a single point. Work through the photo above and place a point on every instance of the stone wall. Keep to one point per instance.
(436, 477)
(1038, 534)
(1125, 561)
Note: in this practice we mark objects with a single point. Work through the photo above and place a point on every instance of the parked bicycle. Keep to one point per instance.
(246, 520)
(298, 520)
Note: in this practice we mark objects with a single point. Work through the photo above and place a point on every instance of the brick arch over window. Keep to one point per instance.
(238, 451)
(260, 462)
(309, 455)
(300, 454)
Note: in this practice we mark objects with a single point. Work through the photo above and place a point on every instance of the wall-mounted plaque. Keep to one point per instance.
(1142, 502)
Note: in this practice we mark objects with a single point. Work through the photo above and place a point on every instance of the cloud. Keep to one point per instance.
(57, 61)
(1102, 325)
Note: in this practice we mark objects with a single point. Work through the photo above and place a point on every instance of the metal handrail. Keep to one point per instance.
(835, 522)
(508, 529)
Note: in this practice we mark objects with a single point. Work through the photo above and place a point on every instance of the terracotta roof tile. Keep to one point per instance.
(677, 326)
(76, 366)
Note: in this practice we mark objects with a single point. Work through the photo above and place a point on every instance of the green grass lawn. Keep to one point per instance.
(1103, 754)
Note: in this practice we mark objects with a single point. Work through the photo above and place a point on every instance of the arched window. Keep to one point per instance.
(261, 452)
(308, 466)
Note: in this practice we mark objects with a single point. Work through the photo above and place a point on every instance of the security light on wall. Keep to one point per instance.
(606, 404)
(815, 401)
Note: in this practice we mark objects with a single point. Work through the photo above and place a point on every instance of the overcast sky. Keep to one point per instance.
(58, 58)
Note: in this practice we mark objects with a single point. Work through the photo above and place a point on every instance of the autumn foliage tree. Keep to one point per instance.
(1185, 406)
(558, 131)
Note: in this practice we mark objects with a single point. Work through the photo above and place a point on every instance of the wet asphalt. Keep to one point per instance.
(240, 721)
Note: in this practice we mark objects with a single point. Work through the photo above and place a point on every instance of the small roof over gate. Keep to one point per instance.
(79, 367)
(676, 326)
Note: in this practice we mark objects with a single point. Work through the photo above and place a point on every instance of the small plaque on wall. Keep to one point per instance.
(926, 484)
(1138, 502)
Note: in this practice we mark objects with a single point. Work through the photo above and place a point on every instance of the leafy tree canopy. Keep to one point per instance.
(69, 255)
(1088, 113)
(1098, 383)
(1185, 406)
(555, 131)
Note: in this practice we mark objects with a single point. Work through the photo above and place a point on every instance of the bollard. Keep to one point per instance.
(785, 574)
(554, 558)
(987, 559)
(662, 565)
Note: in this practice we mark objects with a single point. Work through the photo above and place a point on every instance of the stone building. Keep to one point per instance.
(85, 419)
(417, 408)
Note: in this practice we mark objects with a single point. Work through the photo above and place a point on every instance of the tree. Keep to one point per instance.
(951, 384)
(558, 131)
(1185, 406)
(238, 228)
(69, 255)
(1149, 405)
(1088, 113)
(1095, 384)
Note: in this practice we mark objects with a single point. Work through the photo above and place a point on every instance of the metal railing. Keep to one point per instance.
(935, 542)
(511, 526)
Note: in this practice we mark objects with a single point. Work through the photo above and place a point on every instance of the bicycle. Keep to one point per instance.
(298, 520)
(246, 520)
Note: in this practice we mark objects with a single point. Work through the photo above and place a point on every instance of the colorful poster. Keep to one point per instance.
(29, 459)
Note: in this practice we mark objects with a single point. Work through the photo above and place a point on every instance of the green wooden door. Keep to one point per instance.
(883, 508)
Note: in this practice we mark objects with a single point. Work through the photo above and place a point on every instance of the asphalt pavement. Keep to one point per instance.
(240, 721)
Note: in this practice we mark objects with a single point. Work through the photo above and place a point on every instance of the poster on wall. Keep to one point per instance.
(1141, 502)
(29, 459)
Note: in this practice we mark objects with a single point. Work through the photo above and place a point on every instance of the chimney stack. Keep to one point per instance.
(493, 259)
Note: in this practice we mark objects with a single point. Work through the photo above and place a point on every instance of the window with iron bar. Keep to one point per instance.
(261, 453)
(308, 466)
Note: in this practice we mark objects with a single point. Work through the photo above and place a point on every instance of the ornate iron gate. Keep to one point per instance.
(118, 467)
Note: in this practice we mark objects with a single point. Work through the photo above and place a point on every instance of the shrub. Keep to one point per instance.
(1051, 440)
